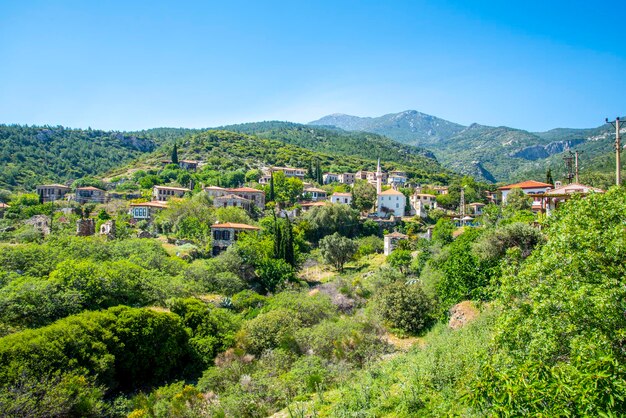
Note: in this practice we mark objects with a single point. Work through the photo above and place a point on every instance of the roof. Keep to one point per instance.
(189, 161)
(214, 188)
(425, 194)
(153, 204)
(183, 189)
(232, 225)
(314, 189)
(396, 234)
(391, 192)
(307, 204)
(246, 190)
(89, 188)
(61, 186)
(342, 194)
(287, 168)
(529, 184)
(477, 204)
(573, 188)
(232, 196)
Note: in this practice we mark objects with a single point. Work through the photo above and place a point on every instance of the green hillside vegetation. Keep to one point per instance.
(337, 141)
(232, 158)
(96, 327)
(36, 155)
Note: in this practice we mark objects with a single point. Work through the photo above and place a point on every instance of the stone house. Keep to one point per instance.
(90, 194)
(225, 234)
(231, 200)
(341, 198)
(256, 196)
(391, 241)
(315, 194)
(346, 178)
(163, 193)
(552, 199)
(52, 192)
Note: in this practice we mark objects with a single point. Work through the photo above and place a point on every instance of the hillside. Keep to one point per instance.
(338, 141)
(32, 155)
(487, 152)
(227, 150)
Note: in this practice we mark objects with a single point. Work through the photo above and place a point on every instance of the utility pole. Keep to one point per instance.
(569, 162)
(462, 208)
(577, 154)
(618, 174)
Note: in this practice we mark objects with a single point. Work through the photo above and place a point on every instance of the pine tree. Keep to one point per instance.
(549, 179)
(318, 172)
(175, 154)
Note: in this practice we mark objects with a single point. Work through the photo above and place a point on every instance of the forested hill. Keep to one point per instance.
(30, 155)
(493, 153)
(230, 151)
(338, 141)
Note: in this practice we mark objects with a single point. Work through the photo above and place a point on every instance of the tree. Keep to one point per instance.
(175, 154)
(518, 200)
(271, 197)
(325, 220)
(400, 259)
(363, 196)
(442, 232)
(337, 250)
(549, 178)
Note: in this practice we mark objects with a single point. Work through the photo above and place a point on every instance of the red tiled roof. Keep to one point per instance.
(60, 186)
(342, 194)
(307, 204)
(232, 225)
(232, 196)
(530, 184)
(314, 189)
(396, 234)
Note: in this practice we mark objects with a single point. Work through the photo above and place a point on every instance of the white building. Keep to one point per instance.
(397, 178)
(391, 202)
(530, 187)
(477, 208)
(163, 193)
(341, 198)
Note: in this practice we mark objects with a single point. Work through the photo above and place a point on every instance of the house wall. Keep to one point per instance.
(394, 203)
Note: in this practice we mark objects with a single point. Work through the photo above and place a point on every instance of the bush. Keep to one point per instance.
(369, 245)
(269, 330)
(405, 306)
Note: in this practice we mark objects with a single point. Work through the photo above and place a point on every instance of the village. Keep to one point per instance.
(396, 202)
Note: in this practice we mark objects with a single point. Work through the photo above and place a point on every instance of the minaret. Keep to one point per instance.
(379, 179)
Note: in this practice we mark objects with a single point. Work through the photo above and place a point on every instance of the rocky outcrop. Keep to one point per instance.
(461, 314)
(537, 152)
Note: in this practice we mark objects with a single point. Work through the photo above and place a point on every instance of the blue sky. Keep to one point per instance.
(132, 65)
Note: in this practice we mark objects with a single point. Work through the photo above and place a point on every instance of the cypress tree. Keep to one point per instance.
(288, 249)
(318, 172)
(271, 196)
(175, 154)
(309, 171)
(549, 179)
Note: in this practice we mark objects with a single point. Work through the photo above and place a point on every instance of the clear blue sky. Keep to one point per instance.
(130, 65)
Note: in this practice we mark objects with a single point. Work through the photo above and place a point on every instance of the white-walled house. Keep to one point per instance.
(390, 202)
(225, 234)
(529, 187)
(330, 178)
(144, 211)
(163, 193)
(551, 199)
(476, 208)
(341, 198)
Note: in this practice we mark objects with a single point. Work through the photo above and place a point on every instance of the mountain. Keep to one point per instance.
(410, 127)
(497, 154)
(31, 155)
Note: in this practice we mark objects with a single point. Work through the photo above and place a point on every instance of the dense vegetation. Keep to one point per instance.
(34, 155)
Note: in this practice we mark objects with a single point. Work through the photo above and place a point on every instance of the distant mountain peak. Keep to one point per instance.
(409, 126)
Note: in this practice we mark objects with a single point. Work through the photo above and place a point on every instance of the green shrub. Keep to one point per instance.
(405, 306)
(272, 329)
